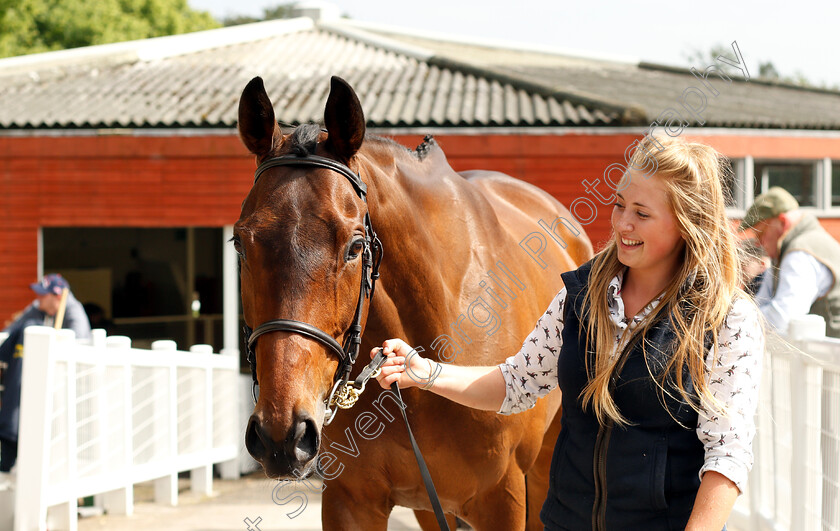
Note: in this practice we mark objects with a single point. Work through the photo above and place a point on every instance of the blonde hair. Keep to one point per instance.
(696, 300)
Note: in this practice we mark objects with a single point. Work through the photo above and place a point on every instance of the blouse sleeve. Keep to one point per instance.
(531, 373)
(727, 432)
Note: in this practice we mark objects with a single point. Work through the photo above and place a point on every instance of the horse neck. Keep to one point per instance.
(405, 200)
(403, 191)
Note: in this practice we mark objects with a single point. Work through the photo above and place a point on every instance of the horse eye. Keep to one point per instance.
(355, 249)
(237, 246)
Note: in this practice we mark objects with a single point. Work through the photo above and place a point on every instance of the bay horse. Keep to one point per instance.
(451, 250)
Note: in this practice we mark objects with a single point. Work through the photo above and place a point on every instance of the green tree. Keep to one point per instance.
(700, 59)
(767, 71)
(32, 26)
(269, 13)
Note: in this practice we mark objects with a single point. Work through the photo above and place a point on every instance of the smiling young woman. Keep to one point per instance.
(657, 352)
(647, 238)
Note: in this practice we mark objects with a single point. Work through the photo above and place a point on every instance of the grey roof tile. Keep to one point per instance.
(540, 109)
(497, 103)
(557, 113)
(526, 107)
(469, 95)
(482, 101)
(455, 105)
(201, 87)
(576, 113)
(646, 87)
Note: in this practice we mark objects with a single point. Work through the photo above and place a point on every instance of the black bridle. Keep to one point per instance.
(371, 259)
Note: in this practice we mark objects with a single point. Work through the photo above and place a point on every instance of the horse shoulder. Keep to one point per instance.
(531, 204)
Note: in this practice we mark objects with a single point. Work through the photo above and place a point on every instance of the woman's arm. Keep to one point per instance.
(714, 502)
(726, 429)
(475, 387)
(511, 387)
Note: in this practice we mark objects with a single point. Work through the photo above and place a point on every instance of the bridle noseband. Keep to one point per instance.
(344, 393)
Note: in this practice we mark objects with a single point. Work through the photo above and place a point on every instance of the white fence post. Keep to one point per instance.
(830, 449)
(798, 472)
(35, 426)
(230, 469)
(63, 516)
(121, 500)
(201, 478)
(166, 487)
(805, 444)
(98, 340)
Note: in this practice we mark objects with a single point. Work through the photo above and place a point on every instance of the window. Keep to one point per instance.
(798, 178)
(835, 183)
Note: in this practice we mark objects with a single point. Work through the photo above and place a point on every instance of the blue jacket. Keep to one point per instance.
(640, 477)
(11, 352)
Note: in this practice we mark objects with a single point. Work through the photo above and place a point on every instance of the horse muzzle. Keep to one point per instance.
(289, 458)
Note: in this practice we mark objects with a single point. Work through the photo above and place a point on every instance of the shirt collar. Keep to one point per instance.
(616, 303)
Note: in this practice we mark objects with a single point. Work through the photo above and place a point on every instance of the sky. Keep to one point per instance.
(797, 37)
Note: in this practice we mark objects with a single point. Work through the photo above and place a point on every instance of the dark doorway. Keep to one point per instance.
(147, 284)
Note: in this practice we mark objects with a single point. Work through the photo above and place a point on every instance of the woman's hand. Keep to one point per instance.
(475, 387)
(405, 366)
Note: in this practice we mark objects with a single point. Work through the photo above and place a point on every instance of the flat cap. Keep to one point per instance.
(768, 205)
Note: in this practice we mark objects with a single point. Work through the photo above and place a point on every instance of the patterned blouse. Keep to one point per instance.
(733, 379)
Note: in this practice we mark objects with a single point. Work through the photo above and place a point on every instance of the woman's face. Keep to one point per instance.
(646, 230)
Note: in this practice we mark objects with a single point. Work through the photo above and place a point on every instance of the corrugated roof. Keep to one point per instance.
(647, 87)
(403, 79)
(180, 82)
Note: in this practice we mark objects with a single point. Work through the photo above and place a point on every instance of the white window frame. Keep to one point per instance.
(743, 194)
(821, 171)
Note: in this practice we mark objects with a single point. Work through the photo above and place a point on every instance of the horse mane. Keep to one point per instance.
(304, 138)
(419, 153)
(425, 147)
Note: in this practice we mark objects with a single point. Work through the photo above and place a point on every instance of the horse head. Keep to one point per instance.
(304, 250)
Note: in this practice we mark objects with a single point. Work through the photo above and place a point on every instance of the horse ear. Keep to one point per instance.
(257, 127)
(344, 119)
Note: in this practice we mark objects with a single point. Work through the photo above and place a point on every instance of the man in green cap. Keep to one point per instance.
(806, 262)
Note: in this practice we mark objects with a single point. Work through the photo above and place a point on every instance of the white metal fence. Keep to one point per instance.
(795, 481)
(98, 418)
(144, 415)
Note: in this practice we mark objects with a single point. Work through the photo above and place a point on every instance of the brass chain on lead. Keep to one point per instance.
(348, 394)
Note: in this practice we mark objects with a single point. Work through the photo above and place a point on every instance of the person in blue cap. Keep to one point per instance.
(43, 311)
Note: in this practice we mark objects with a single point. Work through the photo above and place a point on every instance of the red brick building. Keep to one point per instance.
(120, 164)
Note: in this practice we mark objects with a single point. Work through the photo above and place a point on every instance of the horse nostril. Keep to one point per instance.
(253, 440)
(306, 440)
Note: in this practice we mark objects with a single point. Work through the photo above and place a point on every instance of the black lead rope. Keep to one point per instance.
(370, 371)
(424, 470)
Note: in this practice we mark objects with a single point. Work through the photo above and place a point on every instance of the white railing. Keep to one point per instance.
(795, 481)
(98, 418)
